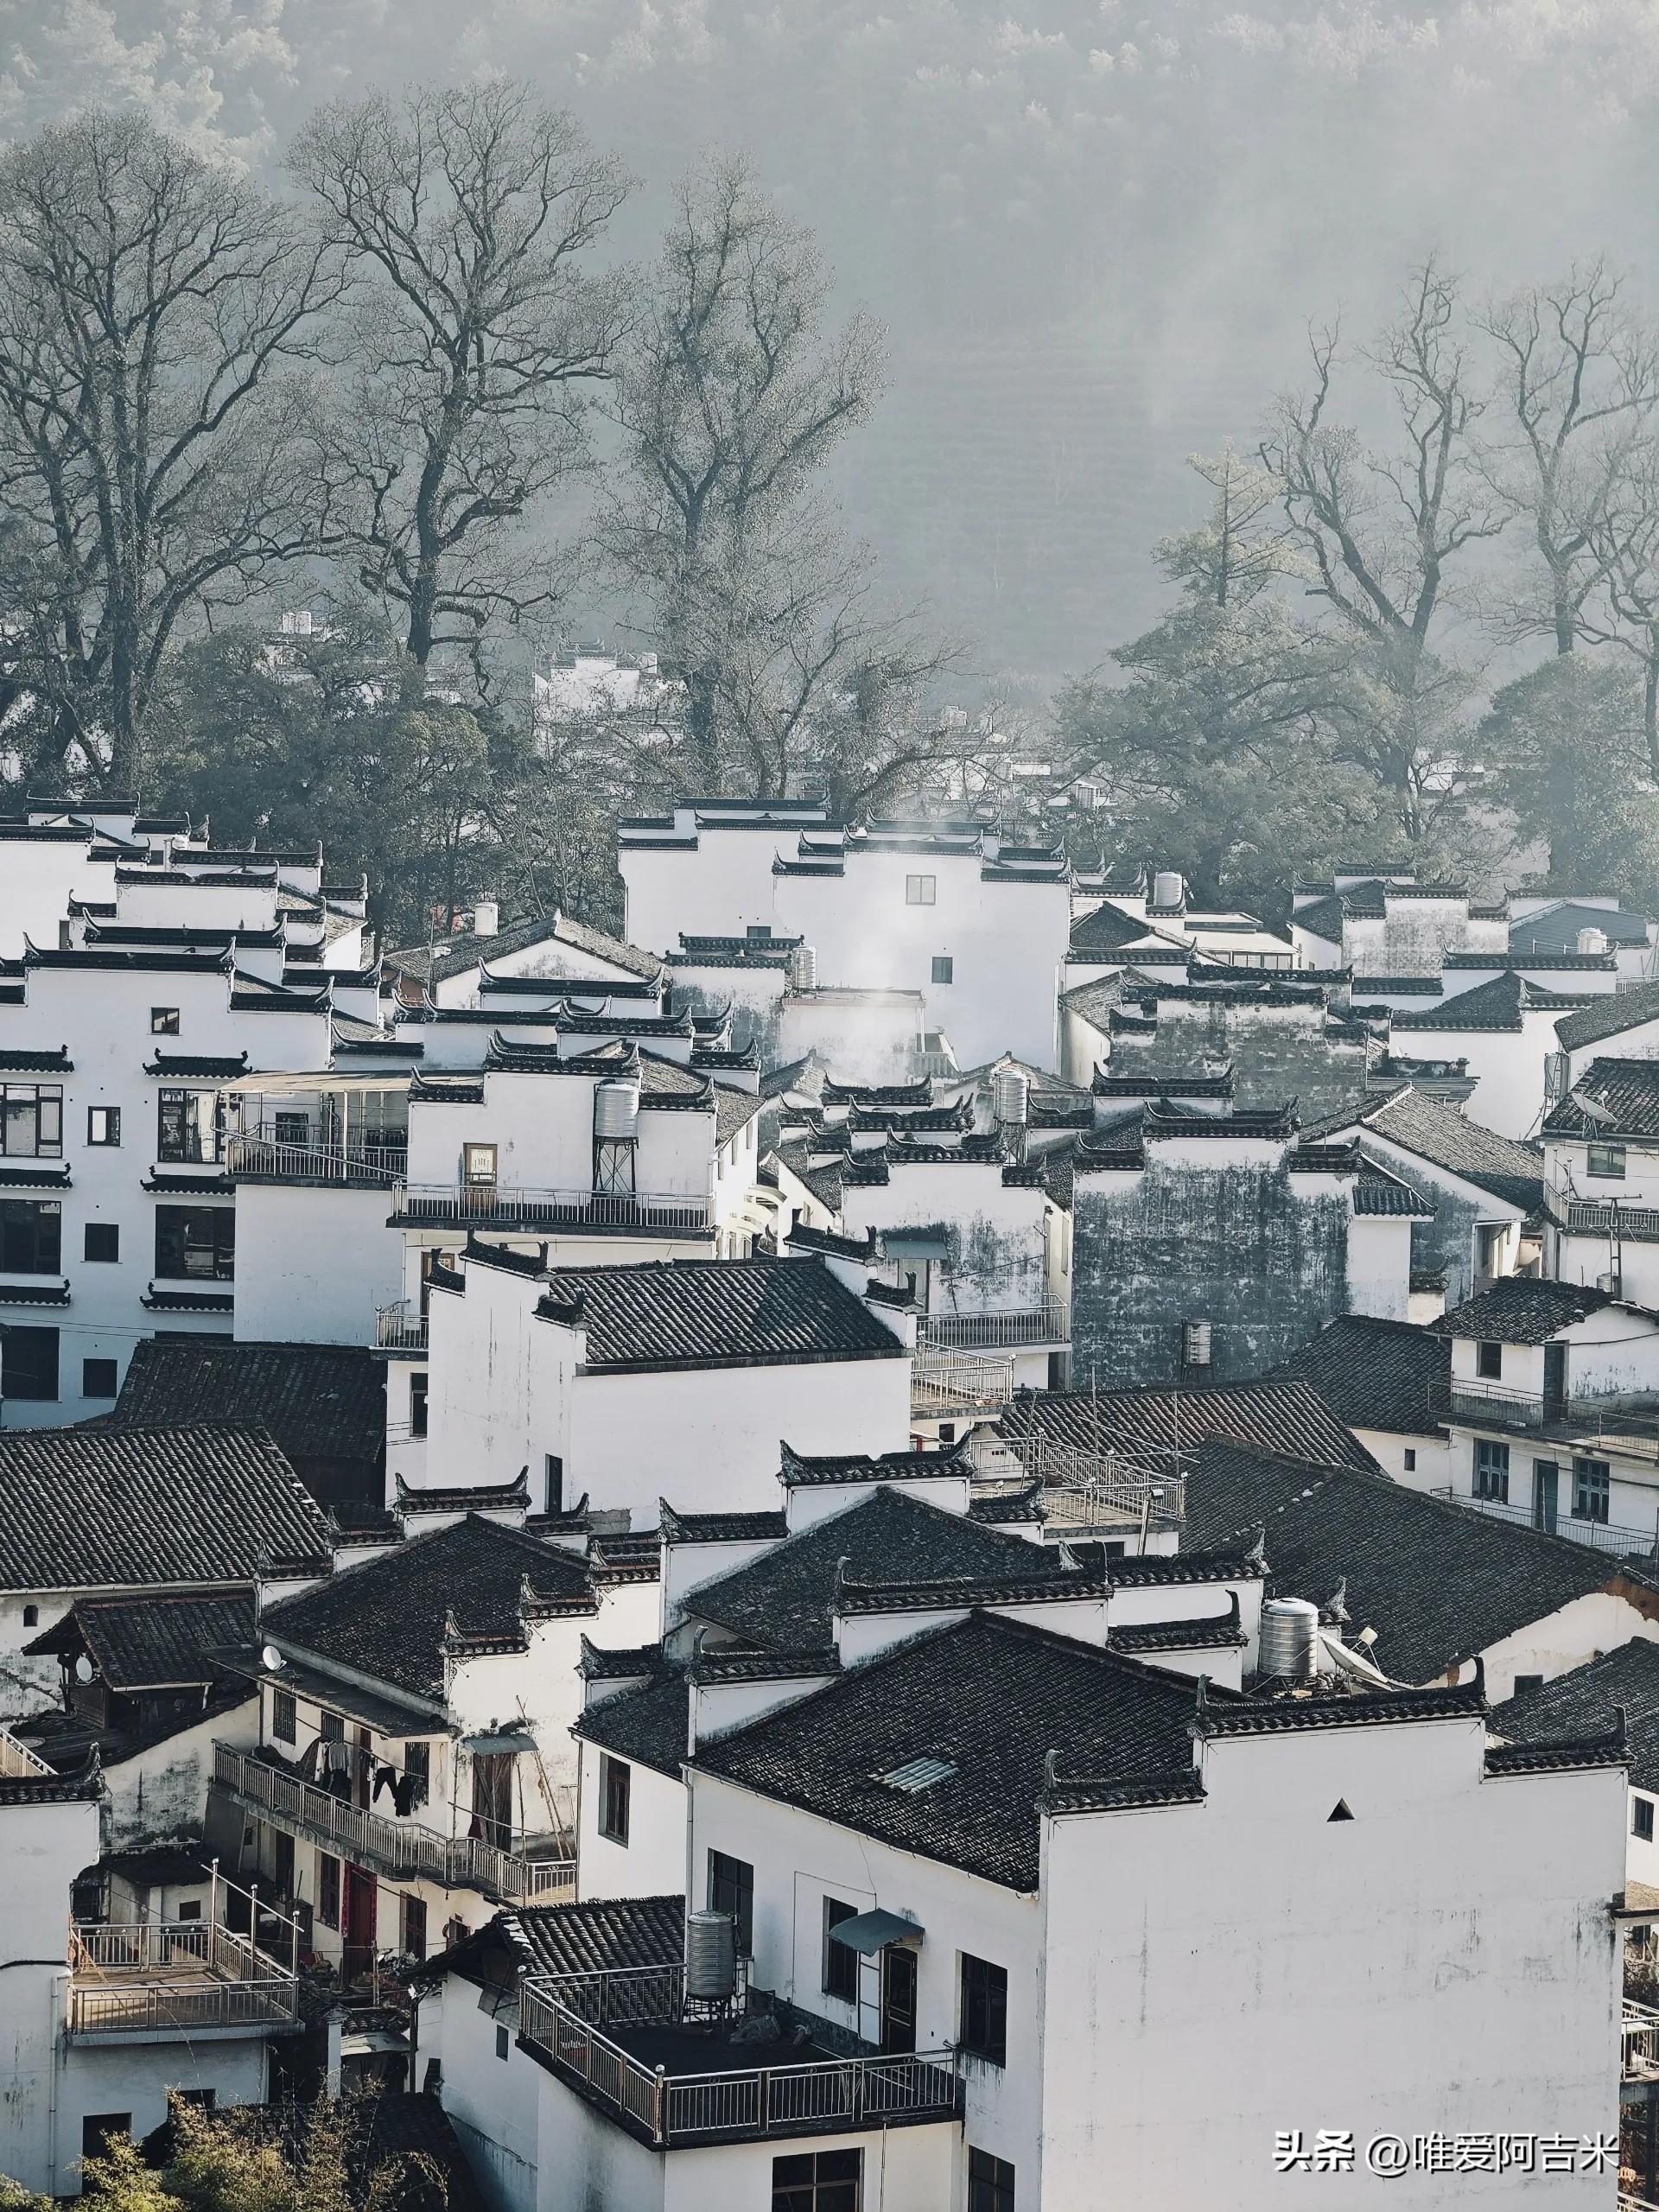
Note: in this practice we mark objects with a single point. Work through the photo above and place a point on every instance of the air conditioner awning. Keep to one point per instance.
(505, 1740)
(873, 1932)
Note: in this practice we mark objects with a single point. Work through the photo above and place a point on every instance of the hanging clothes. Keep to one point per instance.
(309, 1762)
(385, 1777)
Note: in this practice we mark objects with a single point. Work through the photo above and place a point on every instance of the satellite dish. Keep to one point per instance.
(271, 1659)
(83, 1669)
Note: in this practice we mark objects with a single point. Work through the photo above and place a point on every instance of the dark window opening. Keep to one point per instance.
(818, 2181)
(327, 1890)
(196, 1244)
(31, 1616)
(990, 2183)
(1489, 1362)
(615, 1791)
(31, 1236)
(502, 2044)
(731, 1889)
(417, 1766)
(98, 1379)
(1605, 1162)
(1525, 1682)
(984, 2030)
(1492, 1471)
(104, 1125)
(417, 1388)
(1593, 1490)
(284, 1716)
(31, 1126)
(840, 1959)
(102, 1242)
(553, 1468)
(99, 2129)
(187, 1127)
(164, 1022)
(1642, 1819)
(1410, 1458)
(28, 1364)
(414, 1927)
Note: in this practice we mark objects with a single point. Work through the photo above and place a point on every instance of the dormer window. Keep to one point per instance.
(1605, 1162)
(1489, 1362)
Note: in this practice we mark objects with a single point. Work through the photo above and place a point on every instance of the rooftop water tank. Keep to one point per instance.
(1593, 940)
(803, 969)
(1290, 1640)
(710, 1956)
(1168, 890)
(616, 1112)
(1011, 1095)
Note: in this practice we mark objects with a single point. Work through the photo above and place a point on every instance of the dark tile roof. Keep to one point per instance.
(1438, 1582)
(1437, 1133)
(1500, 1004)
(1374, 1374)
(1609, 1016)
(1379, 1193)
(1107, 930)
(102, 1509)
(783, 1600)
(722, 1527)
(717, 1313)
(802, 1469)
(161, 1640)
(733, 1110)
(1286, 1416)
(461, 952)
(1521, 1310)
(649, 1725)
(1323, 916)
(604, 1937)
(1556, 928)
(318, 1400)
(1627, 1092)
(1211, 1632)
(991, 1698)
(387, 1617)
(1584, 1703)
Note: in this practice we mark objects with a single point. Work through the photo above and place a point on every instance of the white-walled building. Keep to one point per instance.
(1387, 1381)
(1601, 1173)
(1503, 1030)
(977, 926)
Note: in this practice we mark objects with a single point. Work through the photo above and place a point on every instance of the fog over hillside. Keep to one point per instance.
(1094, 234)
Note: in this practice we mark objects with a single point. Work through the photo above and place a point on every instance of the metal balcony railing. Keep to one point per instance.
(650, 1212)
(1046, 1321)
(173, 1977)
(831, 2095)
(260, 1154)
(943, 1381)
(395, 1847)
(1594, 1535)
(401, 1327)
(1609, 1424)
(1606, 1217)
(1086, 1488)
(1638, 2041)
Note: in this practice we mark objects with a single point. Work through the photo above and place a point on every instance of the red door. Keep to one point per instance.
(360, 1906)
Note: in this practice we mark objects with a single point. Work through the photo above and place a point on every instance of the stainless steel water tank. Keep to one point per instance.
(1290, 1640)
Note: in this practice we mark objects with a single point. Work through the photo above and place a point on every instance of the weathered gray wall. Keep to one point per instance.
(1277, 1053)
(1239, 1246)
(1447, 1242)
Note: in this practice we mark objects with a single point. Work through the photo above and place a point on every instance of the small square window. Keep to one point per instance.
(921, 890)
(164, 1022)
(503, 2043)
(102, 1241)
(1489, 1362)
(1642, 1818)
(192, 1910)
(1593, 1490)
(818, 2181)
(944, 968)
(284, 1716)
(1410, 1459)
(31, 1616)
(98, 1378)
(1525, 1682)
(104, 1125)
(1605, 1162)
(615, 1790)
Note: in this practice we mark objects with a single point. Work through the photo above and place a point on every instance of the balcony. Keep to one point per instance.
(401, 1327)
(1607, 1425)
(150, 1982)
(1001, 1329)
(1638, 2042)
(260, 1156)
(676, 2083)
(1098, 1494)
(948, 1381)
(400, 1849)
(501, 1205)
(1606, 1217)
(1594, 1535)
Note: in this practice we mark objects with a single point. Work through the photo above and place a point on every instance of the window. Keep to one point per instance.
(1409, 1457)
(283, 1862)
(28, 1364)
(615, 1790)
(1606, 1161)
(818, 2181)
(921, 890)
(414, 1927)
(502, 2044)
(477, 1163)
(984, 2030)
(990, 2183)
(190, 1908)
(103, 1125)
(1489, 1362)
(417, 1765)
(164, 1022)
(292, 1127)
(102, 1241)
(331, 1727)
(553, 1469)
(284, 1716)
(944, 968)
(1641, 1818)
(32, 1125)
(731, 1889)
(99, 2129)
(196, 1242)
(1525, 1682)
(840, 1959)
(98, 1379)
(186, 1126)
(327, 1890)
(1491, 1470)
(417, 1404)
(1593, 1483)
(31, 1236)
(31, 1616)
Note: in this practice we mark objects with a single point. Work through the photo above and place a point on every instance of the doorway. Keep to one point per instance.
(897, 1999)
(358, 1916)
(1555, 1382)
(1546, 1494)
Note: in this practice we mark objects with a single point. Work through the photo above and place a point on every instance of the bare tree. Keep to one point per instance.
(1579, 380)
(1380, 528)
(154, 307)
(732, 396)
(479, 335)
(1624, 610)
